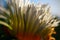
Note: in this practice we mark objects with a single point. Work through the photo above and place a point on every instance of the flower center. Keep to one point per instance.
(29, 36)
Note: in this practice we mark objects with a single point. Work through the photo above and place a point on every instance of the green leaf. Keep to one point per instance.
(5, 24)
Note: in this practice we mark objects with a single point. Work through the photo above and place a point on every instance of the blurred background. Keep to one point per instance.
(55, 10)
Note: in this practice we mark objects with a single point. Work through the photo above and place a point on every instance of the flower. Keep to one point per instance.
(28, 22)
